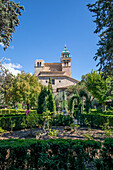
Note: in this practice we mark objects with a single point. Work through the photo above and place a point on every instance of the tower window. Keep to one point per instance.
(64, 64)
(37, 64)
(53, 81)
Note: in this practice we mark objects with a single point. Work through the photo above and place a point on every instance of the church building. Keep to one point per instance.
(60, 73)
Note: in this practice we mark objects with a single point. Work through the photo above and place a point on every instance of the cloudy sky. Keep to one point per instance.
(45, 28)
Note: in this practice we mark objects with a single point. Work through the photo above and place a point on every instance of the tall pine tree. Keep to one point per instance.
(103, 13)
(9, 19)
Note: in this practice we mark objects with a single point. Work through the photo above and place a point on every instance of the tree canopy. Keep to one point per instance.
(9, 13)
(24, 88)
(99, 87)
(103, 14)
(5, 81)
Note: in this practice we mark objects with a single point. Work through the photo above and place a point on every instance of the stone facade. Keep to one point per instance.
(60, 73)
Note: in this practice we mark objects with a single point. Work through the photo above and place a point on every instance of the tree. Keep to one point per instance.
(41, 100)
(50, 84)
(75, 89)
(103, 12)
(51, 102)
(5, 81)
(99, 87)
(24, 88)
(9, 12)
(46, 101)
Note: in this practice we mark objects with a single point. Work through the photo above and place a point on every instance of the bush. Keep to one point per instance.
(96, 120)
(12, 122)
(61, 120)
(14, 111)
(50, 154)
(106, 155)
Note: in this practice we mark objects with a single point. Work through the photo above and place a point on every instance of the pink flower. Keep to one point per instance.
(27, 112)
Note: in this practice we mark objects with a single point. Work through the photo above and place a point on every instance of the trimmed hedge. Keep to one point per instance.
(51, 154)
(96, 120)
(56, 154)
(6, 121)
(61, 120)
(16, 121)
(14, 111)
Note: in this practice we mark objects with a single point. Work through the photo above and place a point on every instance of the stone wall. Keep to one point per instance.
(59, 82)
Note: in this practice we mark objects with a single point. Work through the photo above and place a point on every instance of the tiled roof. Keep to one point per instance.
(52, 64)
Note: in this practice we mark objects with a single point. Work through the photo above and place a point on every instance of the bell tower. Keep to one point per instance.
(66, 61)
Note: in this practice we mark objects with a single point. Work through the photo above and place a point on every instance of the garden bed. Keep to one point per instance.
(64, 133)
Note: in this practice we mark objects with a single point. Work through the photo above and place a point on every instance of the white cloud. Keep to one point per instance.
(1, 44)
(13, 68)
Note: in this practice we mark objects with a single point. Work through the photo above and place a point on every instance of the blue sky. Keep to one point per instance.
(45, 28)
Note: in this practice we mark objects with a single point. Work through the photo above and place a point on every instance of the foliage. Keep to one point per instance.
(106, 128)
(9, 19)
(96, 120)
(5, 81)
(51, 102)
(32, 120)
(107, 153)
(41, 99)
(53, 132)
(47, 117)
(19, 106)
(14, 119)
(13, 111)
(61, 120)
(12, 122)
(50, 84)
(46, 101)
(103, 13)
(2, 131)
(99, 87)
(75, 89)
(48, 154)
(24, 89)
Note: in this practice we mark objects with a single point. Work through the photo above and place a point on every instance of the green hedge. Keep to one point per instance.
(99, 111)
(56, 154)
(61, 120)
(51, 154)
(15, 121)
(6, 121)
(96, 120)
(105, 161)
(14, 111)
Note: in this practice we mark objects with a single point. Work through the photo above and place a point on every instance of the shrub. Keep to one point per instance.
(14, 111)
(61, 120)
(9, 122)
(96, 120)
(50, 154)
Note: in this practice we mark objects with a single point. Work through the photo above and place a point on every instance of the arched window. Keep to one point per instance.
(37, 64)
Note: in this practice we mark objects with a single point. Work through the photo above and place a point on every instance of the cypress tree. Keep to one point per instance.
(50, 84)
(51, 102)
(41, 99)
